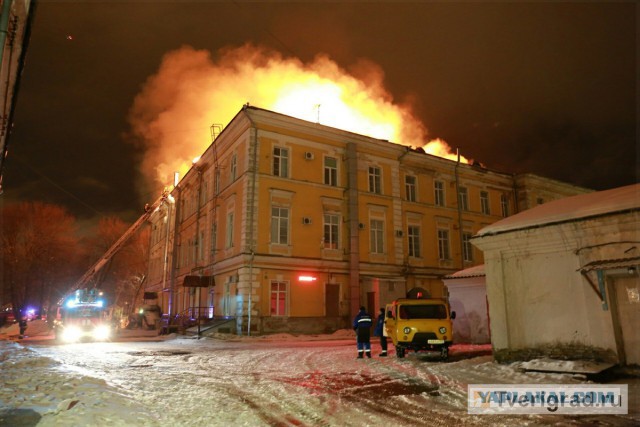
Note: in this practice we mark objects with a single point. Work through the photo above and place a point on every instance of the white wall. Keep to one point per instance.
(468, 298)
(537, 295)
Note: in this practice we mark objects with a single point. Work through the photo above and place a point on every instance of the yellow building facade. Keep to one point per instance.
(290, 226)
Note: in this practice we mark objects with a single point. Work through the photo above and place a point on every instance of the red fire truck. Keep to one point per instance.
(84, 313)
(84, 316)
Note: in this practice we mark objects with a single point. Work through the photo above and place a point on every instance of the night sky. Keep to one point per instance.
(548, 88)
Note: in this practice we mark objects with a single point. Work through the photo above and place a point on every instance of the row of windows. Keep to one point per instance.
(331, 235)
(280, 168)
(194, 252)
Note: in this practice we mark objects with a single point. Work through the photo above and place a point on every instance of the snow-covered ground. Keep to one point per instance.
(278, 380)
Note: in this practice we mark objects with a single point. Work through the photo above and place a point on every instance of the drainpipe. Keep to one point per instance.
(459, 211)
(250, 291)
(515, 196)
(169, 201)
(253, 145)
(198, 293)
(174, 255)
(354, 228)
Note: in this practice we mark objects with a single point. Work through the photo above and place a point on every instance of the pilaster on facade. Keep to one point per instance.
(397, 220)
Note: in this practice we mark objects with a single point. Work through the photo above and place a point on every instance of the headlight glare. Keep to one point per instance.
(71, 334)
(101, 332)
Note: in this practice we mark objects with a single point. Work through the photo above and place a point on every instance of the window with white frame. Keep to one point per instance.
(281, 161)
(214, 237)
(233, 167)
(201, 246)
(504, 204)
(410, 188)
(229, 241)
(376, 235)
(180, 254)
(191, 252)
(331, 231)
(413, 235)
(467, 247)
(216, 182)
(226, 300)
(444, 252)
(375, 180)
(278, 298)
(484, 202)
(331, 171)
(204, 193)
(279, 225)
(438, 189)
(463, 198)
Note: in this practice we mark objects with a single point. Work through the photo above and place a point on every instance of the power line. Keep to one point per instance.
(56, 185)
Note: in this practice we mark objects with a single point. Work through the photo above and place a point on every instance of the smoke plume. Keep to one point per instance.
(172, 115)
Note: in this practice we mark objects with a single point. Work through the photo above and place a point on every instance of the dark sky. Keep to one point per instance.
(545, 87)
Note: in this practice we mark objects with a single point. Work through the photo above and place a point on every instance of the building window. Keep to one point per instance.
(233, 167)
(438, 188)
(504, 204)
(410, 187)
(191, 252)
(331, 171)
(281, 162)
(467, 248)
(204, 189)
(229, 241)
(413, 233)
(443, 245)
(278, 298)
(216, 182)
(374, 180)
(484, 202)
(201, 246)
(331, 230)
(377, 236)
(279, 225)
(214, 237)
(463, 198)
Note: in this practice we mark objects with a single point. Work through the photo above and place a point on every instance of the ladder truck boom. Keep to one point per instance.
(95, 268)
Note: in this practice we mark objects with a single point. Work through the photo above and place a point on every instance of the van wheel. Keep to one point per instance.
(444, 353)
(400, 352)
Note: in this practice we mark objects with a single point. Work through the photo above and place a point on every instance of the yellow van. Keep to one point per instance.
(420, 324)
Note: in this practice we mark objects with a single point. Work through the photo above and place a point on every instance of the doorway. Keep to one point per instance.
(625, 310)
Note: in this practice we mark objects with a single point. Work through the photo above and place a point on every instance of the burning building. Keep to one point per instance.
(288, 225)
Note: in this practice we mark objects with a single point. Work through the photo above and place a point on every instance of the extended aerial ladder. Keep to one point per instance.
(95, 268)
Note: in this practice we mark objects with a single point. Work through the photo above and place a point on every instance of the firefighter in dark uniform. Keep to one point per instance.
(362, 325)
(379, 332)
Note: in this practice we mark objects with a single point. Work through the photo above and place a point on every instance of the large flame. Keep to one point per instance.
(174, 112)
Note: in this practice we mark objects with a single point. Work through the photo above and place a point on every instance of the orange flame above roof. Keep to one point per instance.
(173, 113)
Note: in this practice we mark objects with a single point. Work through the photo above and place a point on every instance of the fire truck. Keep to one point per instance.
(85, 315)
(84, 312)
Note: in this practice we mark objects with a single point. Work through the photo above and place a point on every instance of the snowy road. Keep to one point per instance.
(253, 382)
(209, 382)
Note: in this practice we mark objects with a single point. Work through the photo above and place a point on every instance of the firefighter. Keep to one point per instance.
(22, 324)
(379, 332)
(362, 325)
